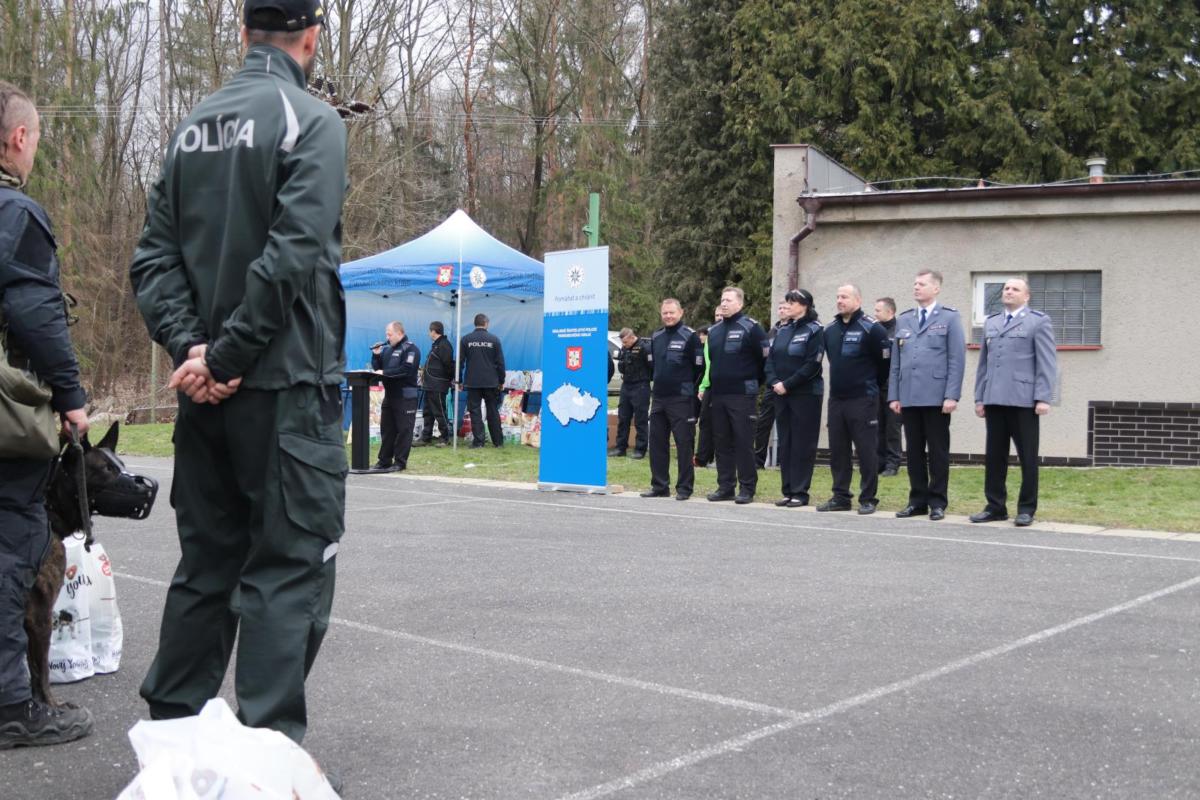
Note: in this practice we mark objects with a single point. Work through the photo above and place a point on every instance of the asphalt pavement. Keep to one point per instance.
(497, 642)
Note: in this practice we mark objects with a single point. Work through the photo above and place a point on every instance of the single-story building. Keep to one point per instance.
(1114, 263)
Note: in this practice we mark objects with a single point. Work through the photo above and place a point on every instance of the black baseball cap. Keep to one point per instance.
(283, 15)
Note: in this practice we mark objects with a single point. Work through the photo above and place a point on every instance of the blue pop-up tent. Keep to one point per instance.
(452, 273)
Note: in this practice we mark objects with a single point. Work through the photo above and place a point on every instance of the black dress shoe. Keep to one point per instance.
(682, 495)
(936, 514)
(833, 505)
(717, 497)
(890, 472)
(743, 498)
(866, 508)
(637, 456)
(911, 511)
(653, 493)
(1023, 520)
(784, 502)
(797, 502)
(988, 516)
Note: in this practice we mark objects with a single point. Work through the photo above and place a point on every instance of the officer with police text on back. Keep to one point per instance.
(236, 276)
(400, 361)
(482, 361)
(737, 348)
(633, 360)
(677, 358)
(928, 355)
(859, 351)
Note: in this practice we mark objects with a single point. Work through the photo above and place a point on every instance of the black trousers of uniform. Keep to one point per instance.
(398, 417)
(634, 406)
(1019, 425)
(435, 411)
(24, 543)
(763, 425)
(259, 497)
(798, 417)
(674, 417)
(890, 424)
(491, 399)
(927, 431)
(854, 421)
(733, 420)
(704, 444)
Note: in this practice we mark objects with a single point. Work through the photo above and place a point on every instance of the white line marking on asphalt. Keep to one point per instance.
(416, 505)
(742, 521)
(662, 768)
(496, 655)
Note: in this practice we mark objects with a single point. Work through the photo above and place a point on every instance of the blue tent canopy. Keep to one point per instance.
(452, 273)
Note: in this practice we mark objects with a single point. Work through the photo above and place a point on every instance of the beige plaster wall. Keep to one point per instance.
(1146, 249)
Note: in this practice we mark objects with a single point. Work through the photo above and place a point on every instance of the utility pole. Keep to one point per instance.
(592, 229)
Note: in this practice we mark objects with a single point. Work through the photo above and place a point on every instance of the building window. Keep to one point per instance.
(1070, 299)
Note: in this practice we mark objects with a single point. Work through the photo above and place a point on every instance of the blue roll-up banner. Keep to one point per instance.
(574, 452)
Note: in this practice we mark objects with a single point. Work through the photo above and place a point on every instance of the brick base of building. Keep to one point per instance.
(1127, 433)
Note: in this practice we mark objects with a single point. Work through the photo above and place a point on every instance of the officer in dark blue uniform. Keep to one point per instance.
(737, 348)
(633, 360)
(677, 360)
(400, 361)
(33, 324)
(481, 359)
(859, 353)
(794, 377)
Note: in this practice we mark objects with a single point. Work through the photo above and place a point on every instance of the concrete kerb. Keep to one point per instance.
(1048, 527)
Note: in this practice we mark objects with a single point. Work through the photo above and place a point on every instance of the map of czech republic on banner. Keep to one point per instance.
(574, 452)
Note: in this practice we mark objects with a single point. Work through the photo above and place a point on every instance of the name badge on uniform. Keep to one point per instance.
(734, 335)
(676, 345)
(801, 338)
(853, 336)
(411, 356)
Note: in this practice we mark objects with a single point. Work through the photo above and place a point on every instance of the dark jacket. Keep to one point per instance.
(737, 347)
(677, 358)
(795, 357)
(481, 359)
(439, 366)
(400, 364)
(634, 363)
(243, 231)
(859, 355)
(31, 302)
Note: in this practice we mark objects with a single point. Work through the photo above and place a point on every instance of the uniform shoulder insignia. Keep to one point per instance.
(1037, 313)
(998, 313)
(658, 333)
(951, 308)
(685, 330)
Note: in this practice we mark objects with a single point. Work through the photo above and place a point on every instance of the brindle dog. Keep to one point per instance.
(111, 491)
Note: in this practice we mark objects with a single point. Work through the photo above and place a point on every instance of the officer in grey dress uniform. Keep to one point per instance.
(928, 354)
(1013, 387)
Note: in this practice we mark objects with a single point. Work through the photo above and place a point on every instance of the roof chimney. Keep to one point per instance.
(1096, 167)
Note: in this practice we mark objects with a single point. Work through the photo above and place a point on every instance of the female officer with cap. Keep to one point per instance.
(794, 374)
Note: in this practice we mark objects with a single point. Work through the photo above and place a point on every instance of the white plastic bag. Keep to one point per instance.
(107, 632)
(71, 630)
(214, 756)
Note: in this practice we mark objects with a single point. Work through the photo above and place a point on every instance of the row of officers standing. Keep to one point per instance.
(886, 372)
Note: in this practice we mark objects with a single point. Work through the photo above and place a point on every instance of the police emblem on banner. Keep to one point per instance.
(478, 277)
(574, 358)
(445, 274)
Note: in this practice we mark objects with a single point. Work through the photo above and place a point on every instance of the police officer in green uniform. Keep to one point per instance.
(236, 277)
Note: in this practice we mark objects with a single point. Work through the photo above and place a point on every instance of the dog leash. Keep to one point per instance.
(85, 513)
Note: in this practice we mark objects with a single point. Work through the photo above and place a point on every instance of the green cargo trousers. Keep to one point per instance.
(259, 498)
